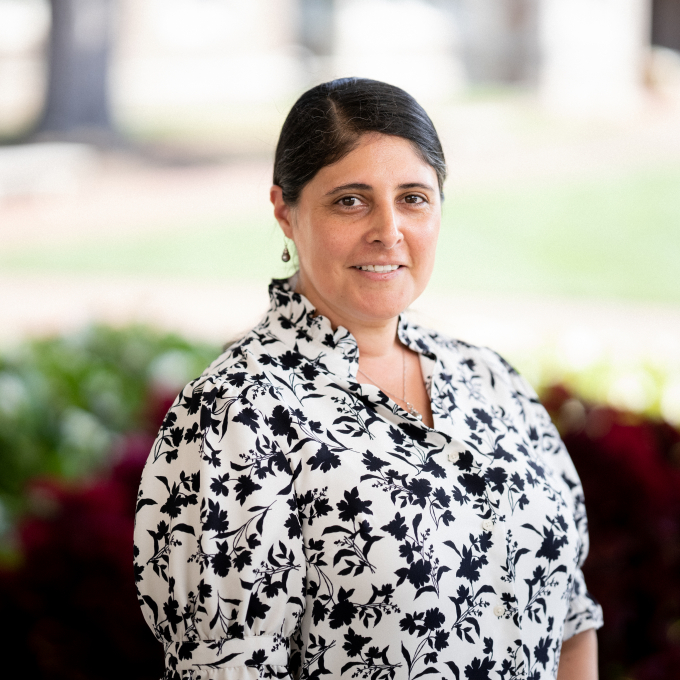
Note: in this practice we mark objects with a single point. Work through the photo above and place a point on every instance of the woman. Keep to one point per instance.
(343, 492)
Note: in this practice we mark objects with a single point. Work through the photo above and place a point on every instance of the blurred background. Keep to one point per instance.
(136, 147)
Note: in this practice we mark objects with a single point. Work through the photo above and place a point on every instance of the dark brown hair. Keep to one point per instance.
(326, 122)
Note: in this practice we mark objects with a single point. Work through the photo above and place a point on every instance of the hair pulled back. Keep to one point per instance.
(326, 122)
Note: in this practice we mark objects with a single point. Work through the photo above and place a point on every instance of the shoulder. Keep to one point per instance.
(484, 362)
(236, 378)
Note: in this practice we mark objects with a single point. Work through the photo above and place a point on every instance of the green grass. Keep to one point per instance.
(214, 250)
(610, 238)
(617, 237)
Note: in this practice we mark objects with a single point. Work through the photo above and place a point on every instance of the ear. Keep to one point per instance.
(282, 211)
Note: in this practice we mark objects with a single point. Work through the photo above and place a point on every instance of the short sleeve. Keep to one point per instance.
(584, 611)
(219, 559)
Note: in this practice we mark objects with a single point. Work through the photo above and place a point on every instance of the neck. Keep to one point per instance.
(375, 342)
(376, 338)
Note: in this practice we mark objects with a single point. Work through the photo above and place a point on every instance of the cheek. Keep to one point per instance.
(327, 245)
(424, 244)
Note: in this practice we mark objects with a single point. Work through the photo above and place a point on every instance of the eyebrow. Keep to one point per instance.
(367, 187)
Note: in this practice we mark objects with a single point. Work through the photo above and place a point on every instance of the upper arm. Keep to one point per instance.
(578, 657)
(584, 612)
(219, 559)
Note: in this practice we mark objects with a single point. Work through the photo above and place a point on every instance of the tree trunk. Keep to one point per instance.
(666, 23)
(77, 105)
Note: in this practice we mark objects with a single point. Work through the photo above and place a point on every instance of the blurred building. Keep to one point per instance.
(593, 55)
(194, 59)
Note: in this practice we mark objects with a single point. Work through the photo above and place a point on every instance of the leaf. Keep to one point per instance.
(260, 522)
(453, 668)
(344, 419)
(427, 671)
(143, 502)
(363, 478)
(152, 606)
(286, 490)
(473, 622)
(218, 663)
(184, 528)
(329, 434)
(335, 529)
(452, 546)
(406, 655)
(370, 542)
(165, 481)
(342, 553)
(519, 553)
(485, 589)
(424, 589)
(301, 443)
(271, 558)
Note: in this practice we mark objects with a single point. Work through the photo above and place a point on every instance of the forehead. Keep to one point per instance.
(378, 160)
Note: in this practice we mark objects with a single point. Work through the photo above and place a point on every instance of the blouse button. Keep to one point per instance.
(499, 610)
(487, 525)
(454, 456)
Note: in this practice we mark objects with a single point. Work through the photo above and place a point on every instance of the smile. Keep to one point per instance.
(378, 267)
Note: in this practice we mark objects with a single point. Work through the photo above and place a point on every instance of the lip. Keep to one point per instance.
(379, 276)
(379, 264)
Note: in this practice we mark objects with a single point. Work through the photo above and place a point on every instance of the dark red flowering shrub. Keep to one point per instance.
(70, 611)
(630, 471)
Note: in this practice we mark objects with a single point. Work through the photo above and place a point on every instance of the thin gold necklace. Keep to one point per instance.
(409, 406)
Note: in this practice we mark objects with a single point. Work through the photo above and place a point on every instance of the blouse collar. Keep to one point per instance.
(293, 320)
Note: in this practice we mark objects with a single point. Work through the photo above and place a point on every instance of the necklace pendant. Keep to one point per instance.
(414, 411)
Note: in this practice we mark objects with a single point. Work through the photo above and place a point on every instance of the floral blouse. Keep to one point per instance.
(292, 522)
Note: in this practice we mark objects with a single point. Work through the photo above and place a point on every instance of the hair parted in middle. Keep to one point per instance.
(326, 122)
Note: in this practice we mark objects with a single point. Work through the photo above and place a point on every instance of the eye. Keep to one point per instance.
(349, 202)
(414, 199)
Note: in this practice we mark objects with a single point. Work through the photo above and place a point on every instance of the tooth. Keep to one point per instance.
(380, 268)
(370, 268)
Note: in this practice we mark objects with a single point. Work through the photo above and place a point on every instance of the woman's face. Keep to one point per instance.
(365, 230)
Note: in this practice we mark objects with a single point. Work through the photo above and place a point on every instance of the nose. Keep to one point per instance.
(384, 227)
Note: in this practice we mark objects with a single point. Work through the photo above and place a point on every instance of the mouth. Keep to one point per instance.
(379, 268)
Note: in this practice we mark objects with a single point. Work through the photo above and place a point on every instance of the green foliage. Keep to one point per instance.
(65, 400)
(614, 237)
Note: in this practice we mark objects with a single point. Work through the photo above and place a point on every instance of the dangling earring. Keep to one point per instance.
(285, 256)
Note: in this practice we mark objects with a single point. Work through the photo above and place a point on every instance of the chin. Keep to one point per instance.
(381, 308)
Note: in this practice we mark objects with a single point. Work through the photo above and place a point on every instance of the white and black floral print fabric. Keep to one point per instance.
(292, 522)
